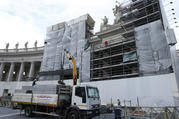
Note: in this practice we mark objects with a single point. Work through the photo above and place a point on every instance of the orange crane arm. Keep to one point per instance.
(74, 68)
(74, 71)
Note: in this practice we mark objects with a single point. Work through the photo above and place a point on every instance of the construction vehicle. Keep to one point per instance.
(68, 102)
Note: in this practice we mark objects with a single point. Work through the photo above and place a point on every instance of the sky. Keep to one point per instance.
(27, 20)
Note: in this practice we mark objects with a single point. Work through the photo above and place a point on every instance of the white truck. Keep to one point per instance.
(68, 102)
(59, 100)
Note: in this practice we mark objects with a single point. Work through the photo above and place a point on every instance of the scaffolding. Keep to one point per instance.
(109, 62)
(119, 58)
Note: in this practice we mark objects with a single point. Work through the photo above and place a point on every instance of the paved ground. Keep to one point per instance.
(6, 113)
(106, 116)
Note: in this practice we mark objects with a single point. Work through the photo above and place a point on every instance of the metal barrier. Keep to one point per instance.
(5, 101)
(170, 112)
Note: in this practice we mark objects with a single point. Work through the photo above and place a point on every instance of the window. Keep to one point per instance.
(93, 92)
(80, 91)
(5, 92)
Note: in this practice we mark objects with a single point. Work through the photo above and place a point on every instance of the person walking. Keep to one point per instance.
(118, 103)
(118, 110)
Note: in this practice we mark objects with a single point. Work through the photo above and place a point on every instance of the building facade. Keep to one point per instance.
(21, 64)
(131, 59)
(129, 48)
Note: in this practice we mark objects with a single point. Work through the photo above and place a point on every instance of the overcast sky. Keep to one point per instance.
(27, 20)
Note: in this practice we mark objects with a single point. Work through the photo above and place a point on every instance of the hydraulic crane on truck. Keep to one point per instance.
(80, 101)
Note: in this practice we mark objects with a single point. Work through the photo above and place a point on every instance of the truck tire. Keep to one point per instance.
(73, 115)
(28, 111)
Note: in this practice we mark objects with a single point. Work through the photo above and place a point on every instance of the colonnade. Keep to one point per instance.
(19, 71)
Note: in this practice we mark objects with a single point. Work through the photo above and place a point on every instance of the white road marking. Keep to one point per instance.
(8, 115)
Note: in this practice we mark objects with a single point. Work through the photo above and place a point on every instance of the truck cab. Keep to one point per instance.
(86, 99)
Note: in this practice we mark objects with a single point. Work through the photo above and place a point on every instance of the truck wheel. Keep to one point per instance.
(28, 111)
(73, 115)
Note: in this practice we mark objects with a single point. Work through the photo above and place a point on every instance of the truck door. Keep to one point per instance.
(79, 97)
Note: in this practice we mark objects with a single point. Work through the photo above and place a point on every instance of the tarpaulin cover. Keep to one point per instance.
(152, 49)
(129, 57)
(67, 35)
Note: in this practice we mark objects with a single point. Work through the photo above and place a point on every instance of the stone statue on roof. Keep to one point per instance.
(105, 20)
(26, 45)
(7, 46)
(117, 13)
(104, 24)
(35, 44)
(17, 45)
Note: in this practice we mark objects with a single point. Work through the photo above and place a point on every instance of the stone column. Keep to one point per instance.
(9, 78)
(1, 70)
(31, 72)
(21, 72)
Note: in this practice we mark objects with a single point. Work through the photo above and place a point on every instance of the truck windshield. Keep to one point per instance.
(93, 92)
